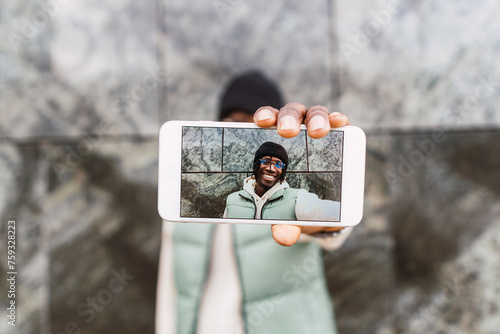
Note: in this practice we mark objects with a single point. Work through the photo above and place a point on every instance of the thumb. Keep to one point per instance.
(286, 235)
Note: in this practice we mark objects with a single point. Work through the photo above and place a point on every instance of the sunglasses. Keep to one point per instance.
(277, 164)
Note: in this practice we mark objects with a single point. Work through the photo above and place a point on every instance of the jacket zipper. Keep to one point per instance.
(253, 202)
(268, 201)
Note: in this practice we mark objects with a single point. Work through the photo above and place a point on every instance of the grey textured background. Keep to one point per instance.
(85, 86)
(240, 146)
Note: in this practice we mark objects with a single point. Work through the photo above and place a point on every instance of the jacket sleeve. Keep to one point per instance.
(310, 207)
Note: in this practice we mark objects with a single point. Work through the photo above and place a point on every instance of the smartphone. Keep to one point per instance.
(223, 172)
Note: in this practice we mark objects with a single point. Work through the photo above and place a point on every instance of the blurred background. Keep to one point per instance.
(85, 86)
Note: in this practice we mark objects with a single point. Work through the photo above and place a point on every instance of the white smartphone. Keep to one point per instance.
(223, 172)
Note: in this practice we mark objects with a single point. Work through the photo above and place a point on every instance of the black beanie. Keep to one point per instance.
(273, 150)
(248, 92)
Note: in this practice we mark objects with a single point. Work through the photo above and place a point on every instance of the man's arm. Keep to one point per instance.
(310, 207)
(319, 120)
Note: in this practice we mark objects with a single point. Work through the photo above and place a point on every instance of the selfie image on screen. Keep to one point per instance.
(257, 174)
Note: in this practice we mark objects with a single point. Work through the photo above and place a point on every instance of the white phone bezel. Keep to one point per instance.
(169, 176)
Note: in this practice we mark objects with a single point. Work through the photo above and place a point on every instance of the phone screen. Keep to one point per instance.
(219, 161)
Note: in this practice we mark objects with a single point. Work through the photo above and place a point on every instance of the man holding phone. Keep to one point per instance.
(235, 278)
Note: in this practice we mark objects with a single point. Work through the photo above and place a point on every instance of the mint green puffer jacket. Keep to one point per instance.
(281, 205)
(284, 288)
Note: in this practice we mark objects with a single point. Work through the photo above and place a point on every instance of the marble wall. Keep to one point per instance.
(425, 258)
(73, 68)
(208, 41)
(85, 86)
(233, 150)
(418, 63)
(76, 233)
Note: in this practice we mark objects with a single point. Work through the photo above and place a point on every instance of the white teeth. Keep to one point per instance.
(269, 177)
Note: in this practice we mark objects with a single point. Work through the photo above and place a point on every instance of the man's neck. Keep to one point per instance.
(260, 190)
(250, 186)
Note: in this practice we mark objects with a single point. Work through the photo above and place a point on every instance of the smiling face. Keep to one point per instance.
(267, 176)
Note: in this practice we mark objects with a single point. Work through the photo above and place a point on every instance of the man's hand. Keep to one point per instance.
(318, 120)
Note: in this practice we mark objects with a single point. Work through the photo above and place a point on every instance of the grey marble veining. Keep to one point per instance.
(204, 195)
(103, 222)
(23, 188)
(377, 199)
(366, 257)
(418, 63)
(240, 146)
(460, 173)
(205, 46)
(425, 246)
(79, 68)
(325, 185)
(469, 287)
(326, 154)
(458, 183)
(10, 163)
(201, 149)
